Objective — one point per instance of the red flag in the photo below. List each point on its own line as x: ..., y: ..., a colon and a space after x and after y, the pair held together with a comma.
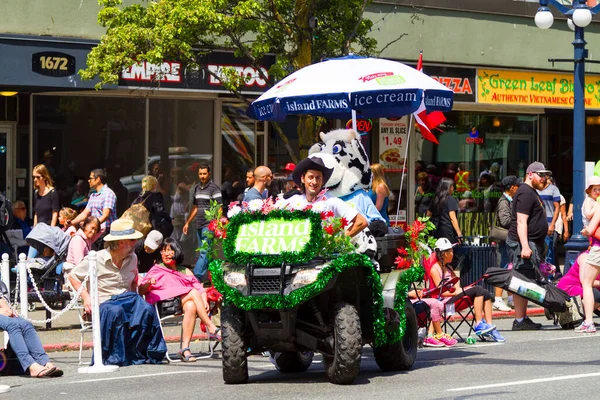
x: 427, y: 122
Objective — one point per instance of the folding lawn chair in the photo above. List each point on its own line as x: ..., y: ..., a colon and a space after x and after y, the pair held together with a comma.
x: 170, y: 311
x: 462, y: 309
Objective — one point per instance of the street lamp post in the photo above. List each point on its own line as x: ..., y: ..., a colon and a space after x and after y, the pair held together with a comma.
x: 579, y: 16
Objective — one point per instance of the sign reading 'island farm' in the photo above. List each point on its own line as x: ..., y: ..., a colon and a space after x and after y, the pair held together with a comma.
x: 534, y: 89
x: 273, y: 236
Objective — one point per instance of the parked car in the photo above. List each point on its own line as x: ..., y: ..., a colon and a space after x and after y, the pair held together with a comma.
x: 178, y: 158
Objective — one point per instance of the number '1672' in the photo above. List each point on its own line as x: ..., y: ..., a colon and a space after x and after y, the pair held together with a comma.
x: 54, y: 63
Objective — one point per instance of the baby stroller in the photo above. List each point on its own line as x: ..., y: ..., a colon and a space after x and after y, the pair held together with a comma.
x: 51, y: 245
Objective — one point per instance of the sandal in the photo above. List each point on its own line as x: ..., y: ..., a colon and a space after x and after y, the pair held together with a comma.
x: 45, y: 373
x: 216, y: 335
x: 185, y: 358
x: 56, y: 373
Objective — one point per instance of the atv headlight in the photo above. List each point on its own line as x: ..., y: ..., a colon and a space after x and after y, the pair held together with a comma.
x: 305, y: 277
x: 235, y: 279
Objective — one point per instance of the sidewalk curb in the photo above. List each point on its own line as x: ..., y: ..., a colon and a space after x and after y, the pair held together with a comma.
x: 175, y: 339
x: 89, y: 345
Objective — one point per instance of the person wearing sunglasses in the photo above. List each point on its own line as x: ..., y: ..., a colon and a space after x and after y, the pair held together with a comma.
x: 45, y: 199
x: 526, y: 236
x: 102, y: 204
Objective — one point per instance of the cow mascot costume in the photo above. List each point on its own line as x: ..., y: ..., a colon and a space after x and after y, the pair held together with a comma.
x: 342, y: 151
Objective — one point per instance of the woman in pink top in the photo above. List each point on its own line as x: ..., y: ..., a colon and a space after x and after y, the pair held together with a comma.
x: 571, y: 281
x: 81, y: 243
x: 163, y: 282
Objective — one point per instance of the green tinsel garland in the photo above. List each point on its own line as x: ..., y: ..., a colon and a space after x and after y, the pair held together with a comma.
x: 290, y: 257
x: 413, y: 274
x: 336, y: 266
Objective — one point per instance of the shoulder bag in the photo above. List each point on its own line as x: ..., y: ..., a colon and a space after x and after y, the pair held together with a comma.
x: 498, y: 233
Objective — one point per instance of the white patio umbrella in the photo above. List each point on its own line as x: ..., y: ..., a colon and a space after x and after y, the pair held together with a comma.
x: 340, y: 87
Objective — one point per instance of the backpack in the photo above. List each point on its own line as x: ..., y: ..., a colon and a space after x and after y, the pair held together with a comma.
x: 573, y: 316
x: 6, y: 213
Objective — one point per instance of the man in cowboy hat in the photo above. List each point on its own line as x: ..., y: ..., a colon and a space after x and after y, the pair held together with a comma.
x: 311, y: 174
x: 130, y: 329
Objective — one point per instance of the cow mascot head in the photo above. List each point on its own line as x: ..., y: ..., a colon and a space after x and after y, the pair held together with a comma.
x: 342, y: 151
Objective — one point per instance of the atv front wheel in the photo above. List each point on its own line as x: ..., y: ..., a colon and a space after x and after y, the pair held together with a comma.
x: 292, y: 361
x: 400, y: 356
x: 344, y: 366
x: 235, y: 362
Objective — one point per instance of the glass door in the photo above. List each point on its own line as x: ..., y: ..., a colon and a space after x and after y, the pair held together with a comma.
x: 7, y: 160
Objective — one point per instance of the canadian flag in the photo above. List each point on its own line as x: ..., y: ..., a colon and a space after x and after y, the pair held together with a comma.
x: 427, y: 122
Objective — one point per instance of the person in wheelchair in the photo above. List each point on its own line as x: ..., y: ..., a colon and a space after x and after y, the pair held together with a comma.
x: 480, y: 297
x: 164, y: 281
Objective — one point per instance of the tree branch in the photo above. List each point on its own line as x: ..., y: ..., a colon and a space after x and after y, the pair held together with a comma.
x: 391, y: 43
x: 350, y: 37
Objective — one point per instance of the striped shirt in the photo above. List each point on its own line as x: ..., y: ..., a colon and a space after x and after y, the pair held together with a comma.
x: 549, y: 196
x: 202, y: 197
x: 105, y: 198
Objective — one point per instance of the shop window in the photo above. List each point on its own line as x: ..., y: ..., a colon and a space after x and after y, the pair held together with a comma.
x: 278, y: 153
x: 8, y: 106
x: 239, y: 143
x: 477, y: 151
x: 73, y: 135
x: 181, y: 139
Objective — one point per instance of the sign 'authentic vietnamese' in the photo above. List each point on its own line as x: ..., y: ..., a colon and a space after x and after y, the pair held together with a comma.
x: 273, y: 236
x: 537, y: 89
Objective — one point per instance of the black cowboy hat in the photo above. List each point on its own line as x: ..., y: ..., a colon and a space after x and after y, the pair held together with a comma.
x: 311, y: 163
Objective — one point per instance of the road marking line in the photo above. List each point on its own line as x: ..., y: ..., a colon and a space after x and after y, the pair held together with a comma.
x: 139, y: 376
x: 527, y: 382
x: 580, y: 336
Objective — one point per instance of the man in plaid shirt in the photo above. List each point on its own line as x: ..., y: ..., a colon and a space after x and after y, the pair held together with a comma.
x: 102, y: 204
x: 203, y: 193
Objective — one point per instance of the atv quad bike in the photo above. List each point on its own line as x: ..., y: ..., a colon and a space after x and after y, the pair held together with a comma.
x: 280, y: 297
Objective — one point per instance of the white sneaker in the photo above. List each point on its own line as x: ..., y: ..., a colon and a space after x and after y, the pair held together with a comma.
x: 499, y: 305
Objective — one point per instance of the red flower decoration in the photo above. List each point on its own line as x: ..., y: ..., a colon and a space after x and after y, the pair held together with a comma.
x: 413, y: 246
x: 402, y: 251
x: 402, y: 262
x: 329, y: 229
x: 212, y: 226
x: 327, y: 214
x: 418, y: 226
x: 344, y: 222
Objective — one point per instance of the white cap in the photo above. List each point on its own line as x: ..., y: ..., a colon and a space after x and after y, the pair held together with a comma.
x: 443, y: 244
x: 153, y: 240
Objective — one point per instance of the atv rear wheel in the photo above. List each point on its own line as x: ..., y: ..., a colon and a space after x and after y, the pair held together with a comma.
x: 235, y: 362
x: 344, y: 366
x: 292, y: 361
x: 400, y: 356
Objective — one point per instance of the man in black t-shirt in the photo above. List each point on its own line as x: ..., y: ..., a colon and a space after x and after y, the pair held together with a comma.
x: 525, y: 241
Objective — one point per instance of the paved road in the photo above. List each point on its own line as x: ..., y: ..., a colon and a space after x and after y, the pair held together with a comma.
x: 534, y: 365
